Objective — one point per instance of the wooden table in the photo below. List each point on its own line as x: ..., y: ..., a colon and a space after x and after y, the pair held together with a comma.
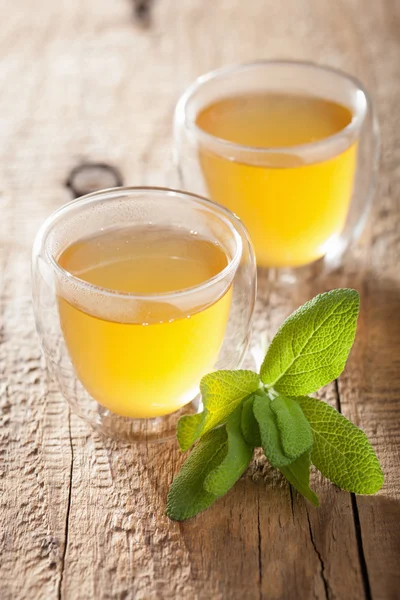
x: 81, y: 517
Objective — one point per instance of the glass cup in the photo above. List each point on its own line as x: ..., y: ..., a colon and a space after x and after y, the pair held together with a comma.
x: 129, y: 360
x: 302, y: 202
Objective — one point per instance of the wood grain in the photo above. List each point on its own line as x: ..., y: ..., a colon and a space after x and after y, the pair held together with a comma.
x: 82, y: 517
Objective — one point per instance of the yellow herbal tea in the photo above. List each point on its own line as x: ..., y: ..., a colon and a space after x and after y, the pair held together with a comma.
x: 292, y: 210
x: 150, y: 363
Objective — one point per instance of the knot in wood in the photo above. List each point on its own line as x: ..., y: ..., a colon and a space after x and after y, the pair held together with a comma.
x: 92, y: 177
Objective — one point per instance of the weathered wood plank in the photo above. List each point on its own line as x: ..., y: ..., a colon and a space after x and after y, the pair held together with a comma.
x: 370, y: 390
x: 82, y: 517
x: 34, y: 449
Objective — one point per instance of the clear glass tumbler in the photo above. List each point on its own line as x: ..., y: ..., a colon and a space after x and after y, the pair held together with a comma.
x: 125, y: 339
x: 302, y: 202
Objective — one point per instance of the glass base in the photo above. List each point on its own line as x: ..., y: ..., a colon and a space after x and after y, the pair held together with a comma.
x: 154, y: 430
x: 293, y: 275
x: 109, y: 424
x: 290, y: 278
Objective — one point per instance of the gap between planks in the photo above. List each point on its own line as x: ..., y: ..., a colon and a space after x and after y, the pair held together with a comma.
x: 357, y: 524
x: 66, y: 529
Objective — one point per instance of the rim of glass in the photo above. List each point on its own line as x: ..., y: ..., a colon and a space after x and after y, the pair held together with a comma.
x: 227, y: 217
x: 190, y: 123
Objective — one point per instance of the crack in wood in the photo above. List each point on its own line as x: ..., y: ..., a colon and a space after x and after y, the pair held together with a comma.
x: 321, y: 562
x: 291, y: 500
x: 338, y: 403
x: 360, y: 547
x: 66, y: 529
x: 357, y: 524
x: 259, y: 546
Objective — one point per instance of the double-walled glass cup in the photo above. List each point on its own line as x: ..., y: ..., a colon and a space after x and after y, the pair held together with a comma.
x: 129, y: 360
x: 301, y: 202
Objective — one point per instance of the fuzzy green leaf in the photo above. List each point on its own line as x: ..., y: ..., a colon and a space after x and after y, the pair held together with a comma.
x: 269, y: 431
x: 250, y: 427
x: 295, y: 430
x: 298, y: 475
x: 219, y: 481
x: 341, y: 451
x: 187, y: 495
x: 222, y: 392
x: 311, y: 347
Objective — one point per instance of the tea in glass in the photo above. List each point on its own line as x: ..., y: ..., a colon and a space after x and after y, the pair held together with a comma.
x: 291, y: 148
x: 292, y: 209
x: 150, y: 362
x: 138, y: 293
